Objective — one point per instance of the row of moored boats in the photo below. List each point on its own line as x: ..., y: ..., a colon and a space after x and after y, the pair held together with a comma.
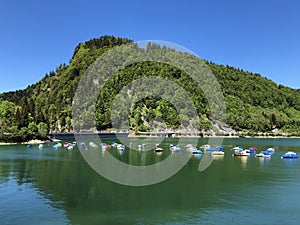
x: 239, y: 151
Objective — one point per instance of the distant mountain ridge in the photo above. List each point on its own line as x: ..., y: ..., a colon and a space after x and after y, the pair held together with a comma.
x: 254, y: 104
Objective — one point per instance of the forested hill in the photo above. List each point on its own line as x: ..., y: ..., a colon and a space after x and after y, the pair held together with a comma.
x: 254, y: 103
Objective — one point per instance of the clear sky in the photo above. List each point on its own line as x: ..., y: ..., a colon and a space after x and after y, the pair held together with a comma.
x: 260, y: 36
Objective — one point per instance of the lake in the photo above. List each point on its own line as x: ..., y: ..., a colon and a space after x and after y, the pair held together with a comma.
x: 46, y: 186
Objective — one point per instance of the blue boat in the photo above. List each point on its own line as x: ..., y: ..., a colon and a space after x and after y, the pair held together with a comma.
x: 83, y: 146
x: 197, y: 152
x: 220, y: 148
x: 211, y: 149
x: 289, y: 155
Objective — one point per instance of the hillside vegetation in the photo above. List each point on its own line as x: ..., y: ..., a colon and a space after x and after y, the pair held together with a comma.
x: 254, y: 103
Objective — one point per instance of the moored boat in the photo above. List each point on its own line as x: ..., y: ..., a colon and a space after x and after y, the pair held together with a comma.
x: 289, y: 155
x: 191, y: 148
x: 83, y: 146
x: 242, y: 153
x: 57, y: 145
x: 158, y: 149
x: 205, y: 147
x: 121, y: 147
x: 93, y: 145
x: 104, y: 146
x: 220, y: 148
x: 176, y: 149
x: 217, y: 153
x: 263, y: 154
x: 237, y: 148
x: 197, y: 152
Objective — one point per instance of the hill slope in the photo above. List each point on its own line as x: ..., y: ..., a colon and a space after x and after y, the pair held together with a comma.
x: 253, y: 103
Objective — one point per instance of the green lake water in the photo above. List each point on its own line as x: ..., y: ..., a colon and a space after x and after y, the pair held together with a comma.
x: 46, y: 186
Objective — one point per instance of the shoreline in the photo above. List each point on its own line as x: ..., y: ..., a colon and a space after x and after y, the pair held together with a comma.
x: 34, y: 142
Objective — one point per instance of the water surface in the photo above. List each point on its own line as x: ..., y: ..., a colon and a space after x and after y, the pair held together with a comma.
x: 58, y: 187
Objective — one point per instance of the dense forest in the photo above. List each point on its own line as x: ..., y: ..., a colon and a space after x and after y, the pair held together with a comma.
x: 254, y: 104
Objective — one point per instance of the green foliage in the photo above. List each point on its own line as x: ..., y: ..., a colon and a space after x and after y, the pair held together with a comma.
x: 42, y: 129
x: 254, y: 104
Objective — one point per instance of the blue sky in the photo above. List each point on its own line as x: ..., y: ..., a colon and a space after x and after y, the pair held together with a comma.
x: 258, y: 36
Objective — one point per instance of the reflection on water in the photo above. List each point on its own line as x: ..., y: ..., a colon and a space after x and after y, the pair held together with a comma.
x: 25, y: 204
x: 244, y: 161
x: 263, y: 161
x: 58, y: 187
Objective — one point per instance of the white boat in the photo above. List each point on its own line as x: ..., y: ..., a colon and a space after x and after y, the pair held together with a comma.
x: 176, y: 149
x: 158, y: 149
x: 237, y: 148
x: 217, y: 153
x: 41, y: 146
x: 242, y: 153
x: 263, y: 155
x: 114, y: 144
x: 68, y: 145
x: 83, y: 146
x: 121, y: 147
x: 93, y: 145
x: 205, y: 146
x: 190, y: 148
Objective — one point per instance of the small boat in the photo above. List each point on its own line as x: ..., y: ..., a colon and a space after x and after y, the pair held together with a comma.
x: 267, y: 153
x: 252, y: 150
x: 197, y: 152
x: 104, y: 146
x: 237, y: 148
x: 83, y: 146
x: 41, y: 146
x: 190, y: 148
x: 289, y: 155
x: 217, y: 153
x: 263, y: 154
x: 220, y: 148
x: 176, y: 149
x: 29, y: 146
x: 66, y: 144
x: 242, y: 153
x: 211, y: 149
x: 158, y: 149
x: 93, y: 145
x: 205, y: 147
x: 121, y: 147
x: 57, y: 145
x: 114, y: 144
x: 271, y: 150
